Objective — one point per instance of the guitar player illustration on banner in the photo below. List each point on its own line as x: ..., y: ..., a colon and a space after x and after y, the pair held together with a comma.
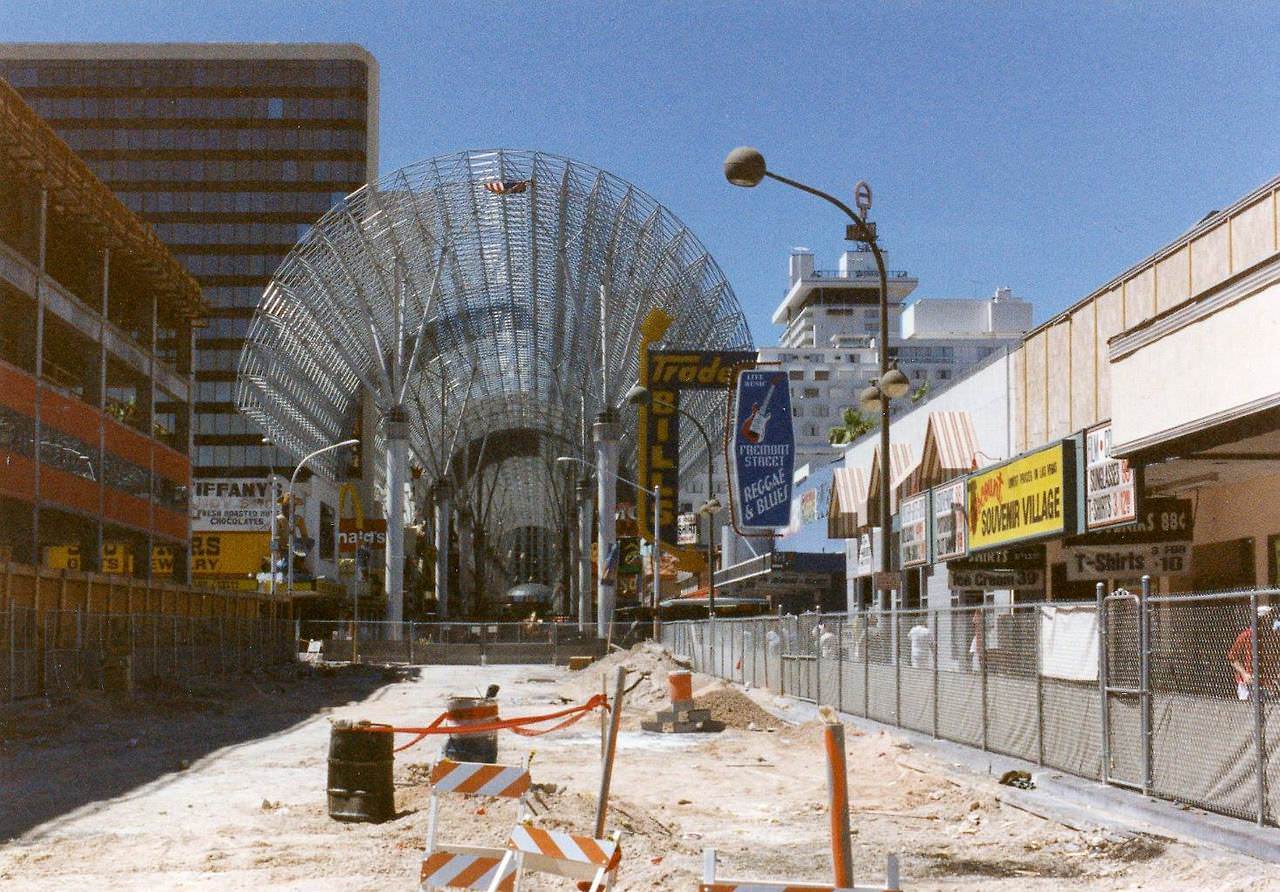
x: 763, y: 449
x: 753, y: 429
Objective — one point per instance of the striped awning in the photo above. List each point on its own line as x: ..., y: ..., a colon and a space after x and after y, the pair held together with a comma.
x: 901, y: 465
x: 950, y: 446
x: 848, y: 498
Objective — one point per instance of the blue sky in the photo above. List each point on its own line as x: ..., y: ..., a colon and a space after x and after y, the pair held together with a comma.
x: 1038, y: 147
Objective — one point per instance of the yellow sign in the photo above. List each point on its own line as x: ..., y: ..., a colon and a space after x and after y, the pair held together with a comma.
x: 228, y: 554
x: 116, y: 558
x: 162, y: 557
x: 1027, y: 498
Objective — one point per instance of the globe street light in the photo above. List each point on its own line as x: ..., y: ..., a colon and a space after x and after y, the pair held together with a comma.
x: 745, y: 167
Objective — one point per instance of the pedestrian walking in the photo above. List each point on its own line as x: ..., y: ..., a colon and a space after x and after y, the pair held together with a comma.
x: 1240, y: 656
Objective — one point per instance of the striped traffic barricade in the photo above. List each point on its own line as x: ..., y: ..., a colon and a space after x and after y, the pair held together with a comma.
x: 460, y: 866
x: 582, y: 858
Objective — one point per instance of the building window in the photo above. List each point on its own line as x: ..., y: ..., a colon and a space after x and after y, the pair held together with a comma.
x: 275, y: 108
x: 822, y: 375
x: 811, y: 393
x: 795, y: 375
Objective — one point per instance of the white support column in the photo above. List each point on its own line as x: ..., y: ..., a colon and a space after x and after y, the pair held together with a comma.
x: 396, y: 430
x: 605, y: 432
x: 586, y: 510
x: 443, y: 495
x: 466, y: 549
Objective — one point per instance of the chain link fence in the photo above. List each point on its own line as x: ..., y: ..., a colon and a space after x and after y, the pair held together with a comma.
x: 58, y: 652
x: 462, y: 643
x: 1135, y: 690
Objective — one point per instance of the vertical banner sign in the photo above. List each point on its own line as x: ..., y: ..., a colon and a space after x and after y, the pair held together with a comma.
x: 764, y: 449
x: 1111, y: 484
x: 666, y: 374
x: 949, y: 540
x: 914, y: 540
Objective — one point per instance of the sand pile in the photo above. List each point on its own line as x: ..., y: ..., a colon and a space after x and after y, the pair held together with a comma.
x: 735, y: 709
x: 647, y: 664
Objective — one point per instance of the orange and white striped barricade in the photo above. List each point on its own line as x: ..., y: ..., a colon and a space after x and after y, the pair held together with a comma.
x: 454, y: 866
x: 711, y: 884
x: 583, y: 858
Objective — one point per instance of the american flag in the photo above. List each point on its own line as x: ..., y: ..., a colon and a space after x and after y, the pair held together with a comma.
x: 507, y: 187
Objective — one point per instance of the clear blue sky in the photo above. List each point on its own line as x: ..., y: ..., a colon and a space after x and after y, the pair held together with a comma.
x: 1040, y: 148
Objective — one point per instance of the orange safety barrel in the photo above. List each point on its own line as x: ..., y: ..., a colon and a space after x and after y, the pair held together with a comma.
x: 680, y: 684
x: 471, y: 746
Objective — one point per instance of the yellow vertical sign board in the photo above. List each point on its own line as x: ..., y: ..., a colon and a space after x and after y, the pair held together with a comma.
x: 1028, y: 498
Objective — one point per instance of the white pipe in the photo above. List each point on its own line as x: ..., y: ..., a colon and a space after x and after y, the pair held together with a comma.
x: 444, y: 505
x: 397, y: 434
x: 585, y: 510
x: 606, y: 440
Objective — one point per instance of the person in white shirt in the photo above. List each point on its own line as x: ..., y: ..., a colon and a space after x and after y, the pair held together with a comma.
x: 921, y: 637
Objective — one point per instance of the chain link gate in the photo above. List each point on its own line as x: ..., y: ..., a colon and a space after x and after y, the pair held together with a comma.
x: 1124, y: 682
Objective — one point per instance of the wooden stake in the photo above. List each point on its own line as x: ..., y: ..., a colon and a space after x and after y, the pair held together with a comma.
x: 838, y: 799
x: 606, y: 773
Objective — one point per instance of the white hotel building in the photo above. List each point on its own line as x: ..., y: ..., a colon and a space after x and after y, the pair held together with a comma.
x: 830, y: 346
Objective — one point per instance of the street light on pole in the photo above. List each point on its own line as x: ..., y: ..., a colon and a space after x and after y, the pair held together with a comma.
x: 657, y: 545
x: 640, y: 395
x: 293, y: 479
x: 745, y: 167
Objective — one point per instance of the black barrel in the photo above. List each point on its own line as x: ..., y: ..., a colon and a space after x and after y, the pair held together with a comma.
x: 469, y: 746
x: 360, y: 765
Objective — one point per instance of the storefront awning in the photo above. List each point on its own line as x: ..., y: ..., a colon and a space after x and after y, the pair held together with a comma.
x: 901, y: 464
x: 848, y: 497
x: 950, y: 447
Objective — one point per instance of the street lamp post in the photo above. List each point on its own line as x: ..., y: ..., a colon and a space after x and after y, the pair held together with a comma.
x: 745, y: 166
x: 641, y: 395
x: 293, y: 479
x: 657, y: 545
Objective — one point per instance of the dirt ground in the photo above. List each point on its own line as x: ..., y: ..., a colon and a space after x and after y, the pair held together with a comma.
x: 223, y: 788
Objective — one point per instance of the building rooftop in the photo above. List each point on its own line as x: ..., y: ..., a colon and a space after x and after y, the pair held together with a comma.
x: 856, y: 272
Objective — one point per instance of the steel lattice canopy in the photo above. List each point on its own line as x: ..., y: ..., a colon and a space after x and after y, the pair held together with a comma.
x: 468, y: 289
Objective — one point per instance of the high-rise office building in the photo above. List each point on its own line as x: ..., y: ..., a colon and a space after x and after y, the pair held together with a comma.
x: 830, y: 343
x: 231, y: 151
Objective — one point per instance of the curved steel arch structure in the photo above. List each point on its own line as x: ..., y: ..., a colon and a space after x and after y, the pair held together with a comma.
x: 474, y: 294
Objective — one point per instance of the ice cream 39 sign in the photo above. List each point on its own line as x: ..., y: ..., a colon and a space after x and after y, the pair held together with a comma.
x: 763, y: 449
x: 1027, y: 498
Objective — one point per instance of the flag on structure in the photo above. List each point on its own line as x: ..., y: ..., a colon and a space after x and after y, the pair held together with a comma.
x: 507, y: 187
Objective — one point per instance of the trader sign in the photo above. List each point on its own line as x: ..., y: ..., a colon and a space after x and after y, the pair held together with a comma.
x: 1027, y: 498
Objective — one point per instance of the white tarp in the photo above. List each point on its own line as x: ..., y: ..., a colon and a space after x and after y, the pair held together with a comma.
x: 1069, y: 642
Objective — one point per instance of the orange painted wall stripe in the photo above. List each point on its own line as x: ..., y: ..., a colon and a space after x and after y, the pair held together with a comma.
x: 17, y: 389
x: 126, y: 442
x: 124, y: 508
x: 67, y: 489
x: 171, y: 464
x: 17, y: 476
x: 170, y: 523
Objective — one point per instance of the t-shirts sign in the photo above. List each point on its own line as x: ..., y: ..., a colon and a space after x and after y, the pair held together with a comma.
x: 1111, y: 486
x: 763, y: 449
